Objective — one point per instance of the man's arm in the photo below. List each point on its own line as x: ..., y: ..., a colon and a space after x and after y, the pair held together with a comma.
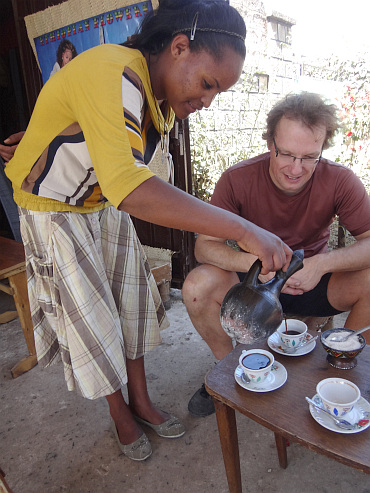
x: 352, y: 258
x: 214, y: 251
x: 160, y: 203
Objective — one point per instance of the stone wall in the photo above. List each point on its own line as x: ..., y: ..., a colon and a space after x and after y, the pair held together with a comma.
x: 230, y: 130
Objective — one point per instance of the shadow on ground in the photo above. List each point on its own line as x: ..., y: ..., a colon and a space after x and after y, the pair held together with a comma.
x: 52, y: 440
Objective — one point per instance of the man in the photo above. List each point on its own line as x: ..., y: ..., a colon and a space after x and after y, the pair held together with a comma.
x: 295, y: 193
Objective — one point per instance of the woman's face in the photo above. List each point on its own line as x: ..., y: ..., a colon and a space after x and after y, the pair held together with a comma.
x: 66, y: 57
x: 192, y: 80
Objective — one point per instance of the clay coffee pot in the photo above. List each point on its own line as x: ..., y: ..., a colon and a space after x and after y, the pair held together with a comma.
x: 251, y: 311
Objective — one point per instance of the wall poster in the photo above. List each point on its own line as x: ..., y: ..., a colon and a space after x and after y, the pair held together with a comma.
x: 58, y: 45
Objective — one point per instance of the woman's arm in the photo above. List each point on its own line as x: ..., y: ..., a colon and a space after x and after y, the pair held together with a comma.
x: 160, y: 203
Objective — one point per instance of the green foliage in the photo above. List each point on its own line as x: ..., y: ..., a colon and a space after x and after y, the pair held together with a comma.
x: 354, y: 104
x: 220, y: 138
x: 355, y: 119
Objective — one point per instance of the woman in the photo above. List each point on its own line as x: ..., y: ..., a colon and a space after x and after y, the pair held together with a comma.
x: 82, y: 160
x: 65, y: 53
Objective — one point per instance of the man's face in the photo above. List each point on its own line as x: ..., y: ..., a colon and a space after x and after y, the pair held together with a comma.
x: 293, y: 138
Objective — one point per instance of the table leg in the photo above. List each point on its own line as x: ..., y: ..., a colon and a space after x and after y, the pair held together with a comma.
x: 227, y: 431
x: 281, y: 450
x: 18, y: 282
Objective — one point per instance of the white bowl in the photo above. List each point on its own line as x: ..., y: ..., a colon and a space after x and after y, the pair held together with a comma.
x: 338, y: 395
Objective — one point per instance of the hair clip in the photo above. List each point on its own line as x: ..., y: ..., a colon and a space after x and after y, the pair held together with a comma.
x: 194, y: 26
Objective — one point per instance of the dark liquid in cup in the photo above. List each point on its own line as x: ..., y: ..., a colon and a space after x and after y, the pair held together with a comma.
x: 256, y: 361
x: 292, y: 332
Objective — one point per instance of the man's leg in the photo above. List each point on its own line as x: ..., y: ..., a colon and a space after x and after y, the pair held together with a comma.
x: 203, y: 292
x: 350, y: 291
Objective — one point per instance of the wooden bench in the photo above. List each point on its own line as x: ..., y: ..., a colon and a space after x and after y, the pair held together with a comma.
x: 318, y: 324
x: 162, y: 273
x: 13, y: 270
x: 4, y: 487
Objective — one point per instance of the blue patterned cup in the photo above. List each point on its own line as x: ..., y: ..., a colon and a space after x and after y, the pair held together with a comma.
x: 338, y: 395
x: 292, y: 333
x: 256, y: 364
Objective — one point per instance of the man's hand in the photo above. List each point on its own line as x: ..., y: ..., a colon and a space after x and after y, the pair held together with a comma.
x: 305, y: 279
x: 7, y: 151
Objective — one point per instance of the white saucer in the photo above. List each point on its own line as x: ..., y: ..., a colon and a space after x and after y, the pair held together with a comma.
x: 278, y: 376
x: 274, y: 343
x: 354, y: 417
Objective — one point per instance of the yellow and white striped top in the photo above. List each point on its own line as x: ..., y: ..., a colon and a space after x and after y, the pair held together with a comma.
x: 94, y: 130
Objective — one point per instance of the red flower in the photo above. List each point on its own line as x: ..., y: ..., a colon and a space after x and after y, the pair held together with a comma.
x: 348, y: 133
x: 363, y: 422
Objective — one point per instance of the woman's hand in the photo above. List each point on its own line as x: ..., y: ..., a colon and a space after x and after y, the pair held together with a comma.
x: 269, y: 248
x: 7, y: 151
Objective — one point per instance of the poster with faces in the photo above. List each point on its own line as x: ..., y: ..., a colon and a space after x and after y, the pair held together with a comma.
x: 56, y: 43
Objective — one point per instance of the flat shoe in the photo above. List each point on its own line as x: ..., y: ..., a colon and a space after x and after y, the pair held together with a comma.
x: 172, y: 428
x: 140, y: 449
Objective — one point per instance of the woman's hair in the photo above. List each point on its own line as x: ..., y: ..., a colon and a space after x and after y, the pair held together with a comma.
x: 308, y: 108
x: 63, y: 46
x: 210, y: 25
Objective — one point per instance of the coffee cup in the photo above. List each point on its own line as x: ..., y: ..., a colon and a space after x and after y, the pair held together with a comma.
x: 338, y: 395
x: 256, y: 364
x: 292, y: 333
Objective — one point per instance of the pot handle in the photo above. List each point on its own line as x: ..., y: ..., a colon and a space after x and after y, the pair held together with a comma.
x: 295, y: 264
x: 251, y: 279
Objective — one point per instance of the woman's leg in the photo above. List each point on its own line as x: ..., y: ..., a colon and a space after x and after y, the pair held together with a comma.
x: 139, y: 404
x: 132, y: 440
x: 139, y: 400
x: 128, y: 430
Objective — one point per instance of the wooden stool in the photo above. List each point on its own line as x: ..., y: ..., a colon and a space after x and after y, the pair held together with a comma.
x: 317, y: 324
x: 4, y: 487
x: 162, y: 273
x: 13, y: 268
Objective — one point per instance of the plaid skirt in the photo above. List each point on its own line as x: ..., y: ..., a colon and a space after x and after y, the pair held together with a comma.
x: 92, y: 296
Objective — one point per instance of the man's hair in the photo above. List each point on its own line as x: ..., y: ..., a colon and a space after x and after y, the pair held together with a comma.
x: 214, y: 23
x: 308, y: 108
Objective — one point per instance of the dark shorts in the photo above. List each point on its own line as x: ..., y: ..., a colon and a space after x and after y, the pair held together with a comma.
x: 314, y: 303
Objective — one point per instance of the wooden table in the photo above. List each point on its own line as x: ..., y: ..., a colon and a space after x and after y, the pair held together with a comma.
x: 285, y: 411
x: 13, y: 269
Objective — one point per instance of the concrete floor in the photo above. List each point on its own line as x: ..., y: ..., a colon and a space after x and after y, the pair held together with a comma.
x: 52, y: 440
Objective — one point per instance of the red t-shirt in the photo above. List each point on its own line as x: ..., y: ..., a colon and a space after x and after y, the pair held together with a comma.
x: 302, y: 220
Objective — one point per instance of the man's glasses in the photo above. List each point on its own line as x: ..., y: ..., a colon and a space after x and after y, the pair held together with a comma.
x: 289, y: 159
